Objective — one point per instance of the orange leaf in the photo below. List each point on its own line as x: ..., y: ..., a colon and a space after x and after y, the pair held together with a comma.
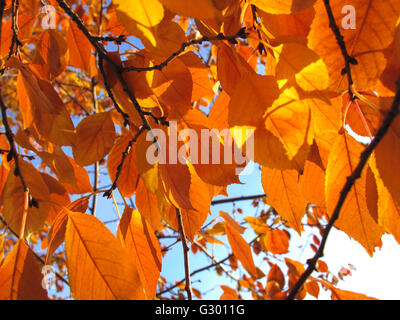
x: 200, y: 197
x: 354, y: 218
x: 13, y: 199
x: 283, y: 7
x: 240, y: 249
x: 80, y: 48
x: 143, y: 247
x: 253, y: 94
x: 96, y: 260
x: 338, y: 294
x: 20, y: 277
x: 284, y: 194
x: 95, y: 137
x: 201, y: 9
x: 147, y: 205
x: 277, y: 241
x: 388, y: 158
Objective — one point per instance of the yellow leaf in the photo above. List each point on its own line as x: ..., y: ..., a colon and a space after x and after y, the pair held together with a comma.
x: 58, y: 196
x: 232, y: 222
x: 81, y: 178
x: 257, y: 224
x: 96, y: 260
x: 95, y: 137
x: 56, y: 234
x: 211, y: 149
x: 139, y: 17
x: 143, y: 247
x: 296, y: 62
x: 20, y: 276
x: 289, y: 120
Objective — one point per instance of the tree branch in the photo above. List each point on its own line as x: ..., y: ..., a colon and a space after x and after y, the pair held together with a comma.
x: 222, y: 201
x: 365, y: 155
x: 121, y: 164
x: 96, y: 165
x: 185, y: 248
x: 215, y: 260
x: 340, y: 40
x: 10, y: 137
x: 232, y: 39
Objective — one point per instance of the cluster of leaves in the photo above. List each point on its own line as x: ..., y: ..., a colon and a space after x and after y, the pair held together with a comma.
x: 88, y: 93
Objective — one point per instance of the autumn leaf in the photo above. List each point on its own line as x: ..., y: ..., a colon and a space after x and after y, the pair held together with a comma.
x: 94, y: 139
x: 283, y: 7
x: 365, y: 42
x: 80, y: 48
x: 13, y: 199
x: 284, y: 194
x: 202, y: 9
x: 355, y: 218
x: 240, y: 248
x: 20, y: 276
x: 138, y: 237
x: 92, y: 249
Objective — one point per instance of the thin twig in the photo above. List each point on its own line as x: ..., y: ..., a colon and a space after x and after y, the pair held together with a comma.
x: 365, y: 155
x: 185, y: 247
x: 215, y: 260
x: 96, y: 165
x: 121, y: 164
x: 222, y: 201
x: 232, y: 39
x: 214, y: 264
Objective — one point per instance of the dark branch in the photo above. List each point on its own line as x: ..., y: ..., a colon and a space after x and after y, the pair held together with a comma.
x: 340, y: 40
x: 121, y: 164
x: 12, y: 154
x: 232, y: 39
x: 185, y: 247
x: 230, y: 200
